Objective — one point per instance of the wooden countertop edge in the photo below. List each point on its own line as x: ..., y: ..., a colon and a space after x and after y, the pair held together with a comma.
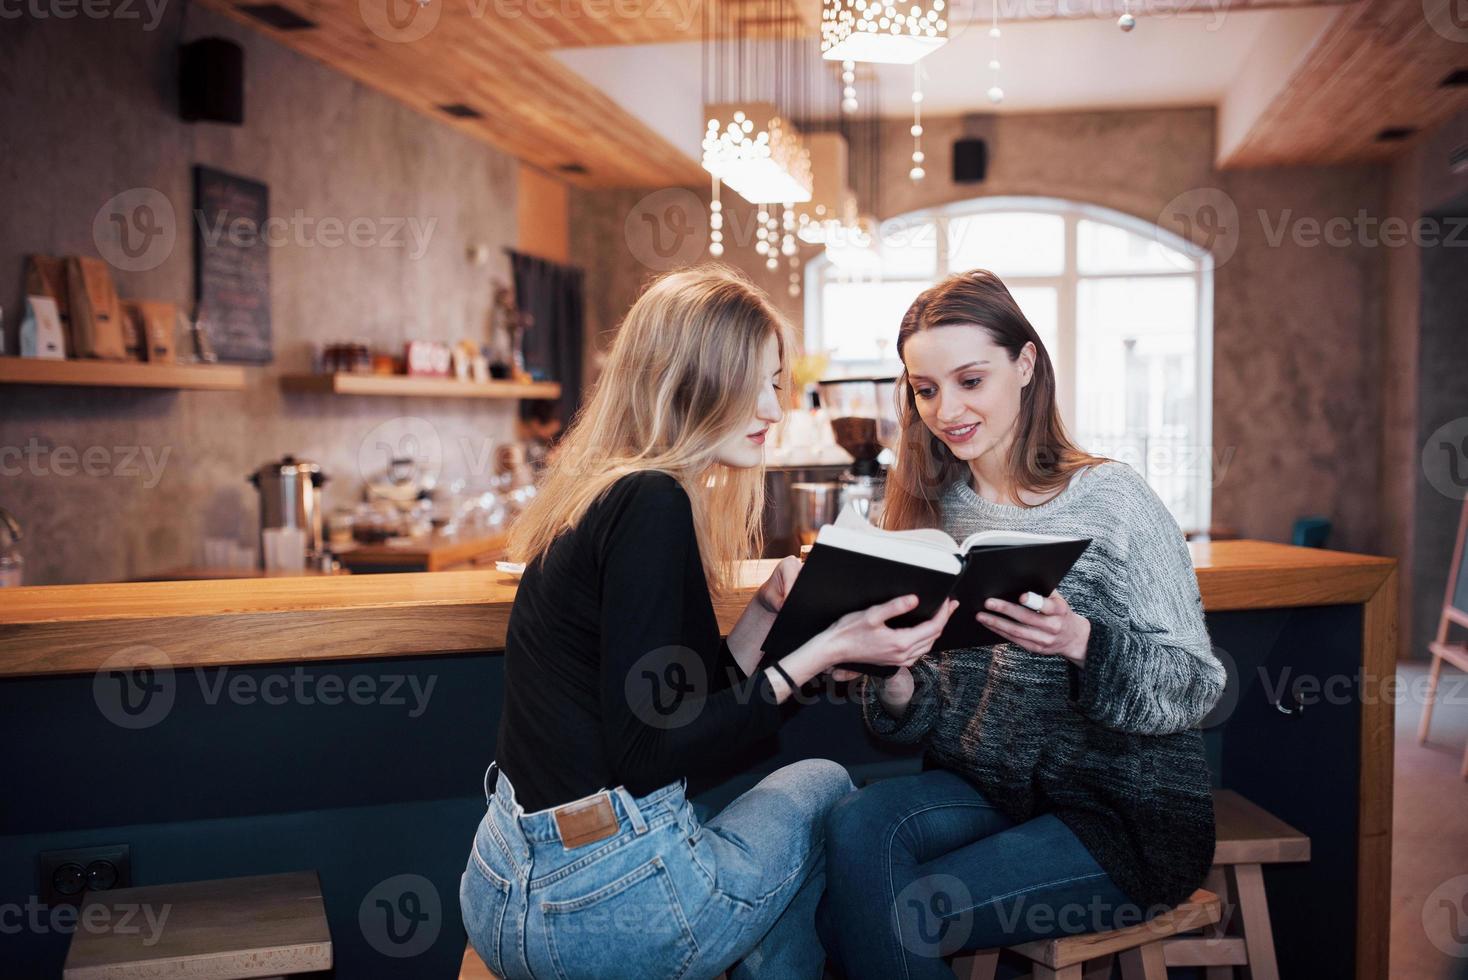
x: 83, y: 628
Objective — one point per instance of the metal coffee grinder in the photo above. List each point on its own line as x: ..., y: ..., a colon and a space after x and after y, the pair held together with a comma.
x: 863, y: 414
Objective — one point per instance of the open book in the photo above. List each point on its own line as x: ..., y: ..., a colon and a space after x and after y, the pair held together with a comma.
x: 854, y: 565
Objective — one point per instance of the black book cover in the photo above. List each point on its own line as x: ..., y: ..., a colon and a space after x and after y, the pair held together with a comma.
x: 836, y: 581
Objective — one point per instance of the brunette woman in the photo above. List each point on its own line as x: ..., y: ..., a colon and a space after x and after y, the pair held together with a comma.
x: 1068, y: 790
x: 617, y: 686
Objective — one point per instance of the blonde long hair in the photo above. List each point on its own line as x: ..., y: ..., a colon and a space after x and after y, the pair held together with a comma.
x: 683, y: 375
x: 1042, y: 457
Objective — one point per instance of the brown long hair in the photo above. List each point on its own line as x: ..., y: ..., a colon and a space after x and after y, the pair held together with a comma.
x: 683, y: 373
x: 1042, y: 456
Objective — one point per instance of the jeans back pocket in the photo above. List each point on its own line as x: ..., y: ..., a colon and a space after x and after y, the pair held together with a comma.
x: 483, y: 898
x: 632, y: 928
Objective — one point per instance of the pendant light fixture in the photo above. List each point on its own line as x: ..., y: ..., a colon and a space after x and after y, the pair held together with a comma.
x: 891, y: 32
x: 751, y: 82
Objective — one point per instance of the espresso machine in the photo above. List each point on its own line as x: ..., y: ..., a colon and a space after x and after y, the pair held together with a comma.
x: 863, y: 414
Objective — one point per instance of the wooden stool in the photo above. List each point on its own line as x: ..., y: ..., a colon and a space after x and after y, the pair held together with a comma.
x: 1088, y: 956
x: 260, y: 926
x: 1248, y: 837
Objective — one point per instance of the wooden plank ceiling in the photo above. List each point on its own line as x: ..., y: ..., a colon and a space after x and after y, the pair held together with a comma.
x: 494, y: 58
x: 1379, y: 66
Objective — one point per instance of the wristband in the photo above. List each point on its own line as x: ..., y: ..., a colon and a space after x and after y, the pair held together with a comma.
x: 784, y: 676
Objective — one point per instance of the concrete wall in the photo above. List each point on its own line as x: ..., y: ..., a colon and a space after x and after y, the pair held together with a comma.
x: 1296, y: 326
x: 1422, y: 380
x: 88, y: 109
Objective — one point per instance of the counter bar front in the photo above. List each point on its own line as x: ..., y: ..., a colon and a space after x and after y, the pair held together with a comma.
x: 342, y: 725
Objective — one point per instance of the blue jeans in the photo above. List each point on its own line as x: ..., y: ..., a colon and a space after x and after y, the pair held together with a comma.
x: 923, y: 866
x: 663, y: 897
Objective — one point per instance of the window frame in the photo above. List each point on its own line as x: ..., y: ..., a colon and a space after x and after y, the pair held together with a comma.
x: 1067, y: 284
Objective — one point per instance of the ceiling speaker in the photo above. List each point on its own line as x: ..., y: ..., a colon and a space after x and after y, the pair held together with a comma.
x: 970, y: 161
x: 211, y: 81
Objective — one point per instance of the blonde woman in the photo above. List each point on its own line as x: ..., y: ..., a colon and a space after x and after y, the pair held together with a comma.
x: 590, y: 862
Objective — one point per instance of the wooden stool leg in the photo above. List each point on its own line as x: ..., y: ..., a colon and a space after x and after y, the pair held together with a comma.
x: 1254, y: 918
x: 1144, y: 963
x: 1043, y: 972
x: 1437, y: 666
x: 1217, y: 883
x: 979, y: 965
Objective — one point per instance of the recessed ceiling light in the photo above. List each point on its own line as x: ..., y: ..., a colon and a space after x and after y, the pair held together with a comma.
x: 461, y: 111
x: 1394, y: 134
x: 278, y: 17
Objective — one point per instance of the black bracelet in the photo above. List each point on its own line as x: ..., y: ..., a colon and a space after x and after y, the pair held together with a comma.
x: 781, y: 671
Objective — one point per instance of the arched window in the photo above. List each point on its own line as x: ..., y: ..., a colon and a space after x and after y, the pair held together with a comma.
x: 1124, y: 308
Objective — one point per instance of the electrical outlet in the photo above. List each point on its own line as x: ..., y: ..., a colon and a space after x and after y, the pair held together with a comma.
x: 66, y: 874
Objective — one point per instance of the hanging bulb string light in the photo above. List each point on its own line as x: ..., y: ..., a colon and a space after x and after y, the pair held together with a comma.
x: 1126, y: 21
x: 716, y: 221
x: 917, y: 172
x: 996, y: 94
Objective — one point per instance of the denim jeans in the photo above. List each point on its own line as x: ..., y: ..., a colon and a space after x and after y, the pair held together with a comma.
x: 665, y: 896
x: 922, y: 866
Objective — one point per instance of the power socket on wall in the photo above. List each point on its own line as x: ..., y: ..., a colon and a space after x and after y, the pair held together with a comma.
x: 66, y: 874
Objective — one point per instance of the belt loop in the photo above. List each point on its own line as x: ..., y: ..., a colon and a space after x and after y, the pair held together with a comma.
x: 488, y: 793
x: 633, y: 814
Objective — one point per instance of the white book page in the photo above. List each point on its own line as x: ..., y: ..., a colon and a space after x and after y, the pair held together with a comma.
x: 992, y: 538
x: 931, y: 537
x: 890, y: 546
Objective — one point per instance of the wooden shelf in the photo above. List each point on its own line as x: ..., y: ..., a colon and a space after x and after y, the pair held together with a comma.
x: 121, y: 374
x: 403, y: 385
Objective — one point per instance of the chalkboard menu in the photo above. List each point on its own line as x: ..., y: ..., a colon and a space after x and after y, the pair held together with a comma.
x: 232, y: 264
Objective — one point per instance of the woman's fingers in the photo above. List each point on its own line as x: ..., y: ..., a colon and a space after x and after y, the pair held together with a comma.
x: 1019, y: 614
x: 930, y: 630
x: 1026, y: 636
x: 878, y: 615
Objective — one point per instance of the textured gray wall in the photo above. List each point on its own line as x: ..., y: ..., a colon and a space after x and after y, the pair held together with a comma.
x: 88, y: 111
x: 1296, y: 327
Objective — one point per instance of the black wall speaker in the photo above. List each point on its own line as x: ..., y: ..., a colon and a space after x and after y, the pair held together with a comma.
x: 211, y: 81
x: 970, y: 161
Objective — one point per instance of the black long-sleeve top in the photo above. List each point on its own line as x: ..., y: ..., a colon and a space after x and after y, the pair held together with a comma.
x: 615, y: 673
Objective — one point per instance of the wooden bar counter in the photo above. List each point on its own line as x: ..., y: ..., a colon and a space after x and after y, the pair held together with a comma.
x: 228, y: 781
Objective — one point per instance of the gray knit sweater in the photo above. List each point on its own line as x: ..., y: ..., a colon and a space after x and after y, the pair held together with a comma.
x: 1112, y: 748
